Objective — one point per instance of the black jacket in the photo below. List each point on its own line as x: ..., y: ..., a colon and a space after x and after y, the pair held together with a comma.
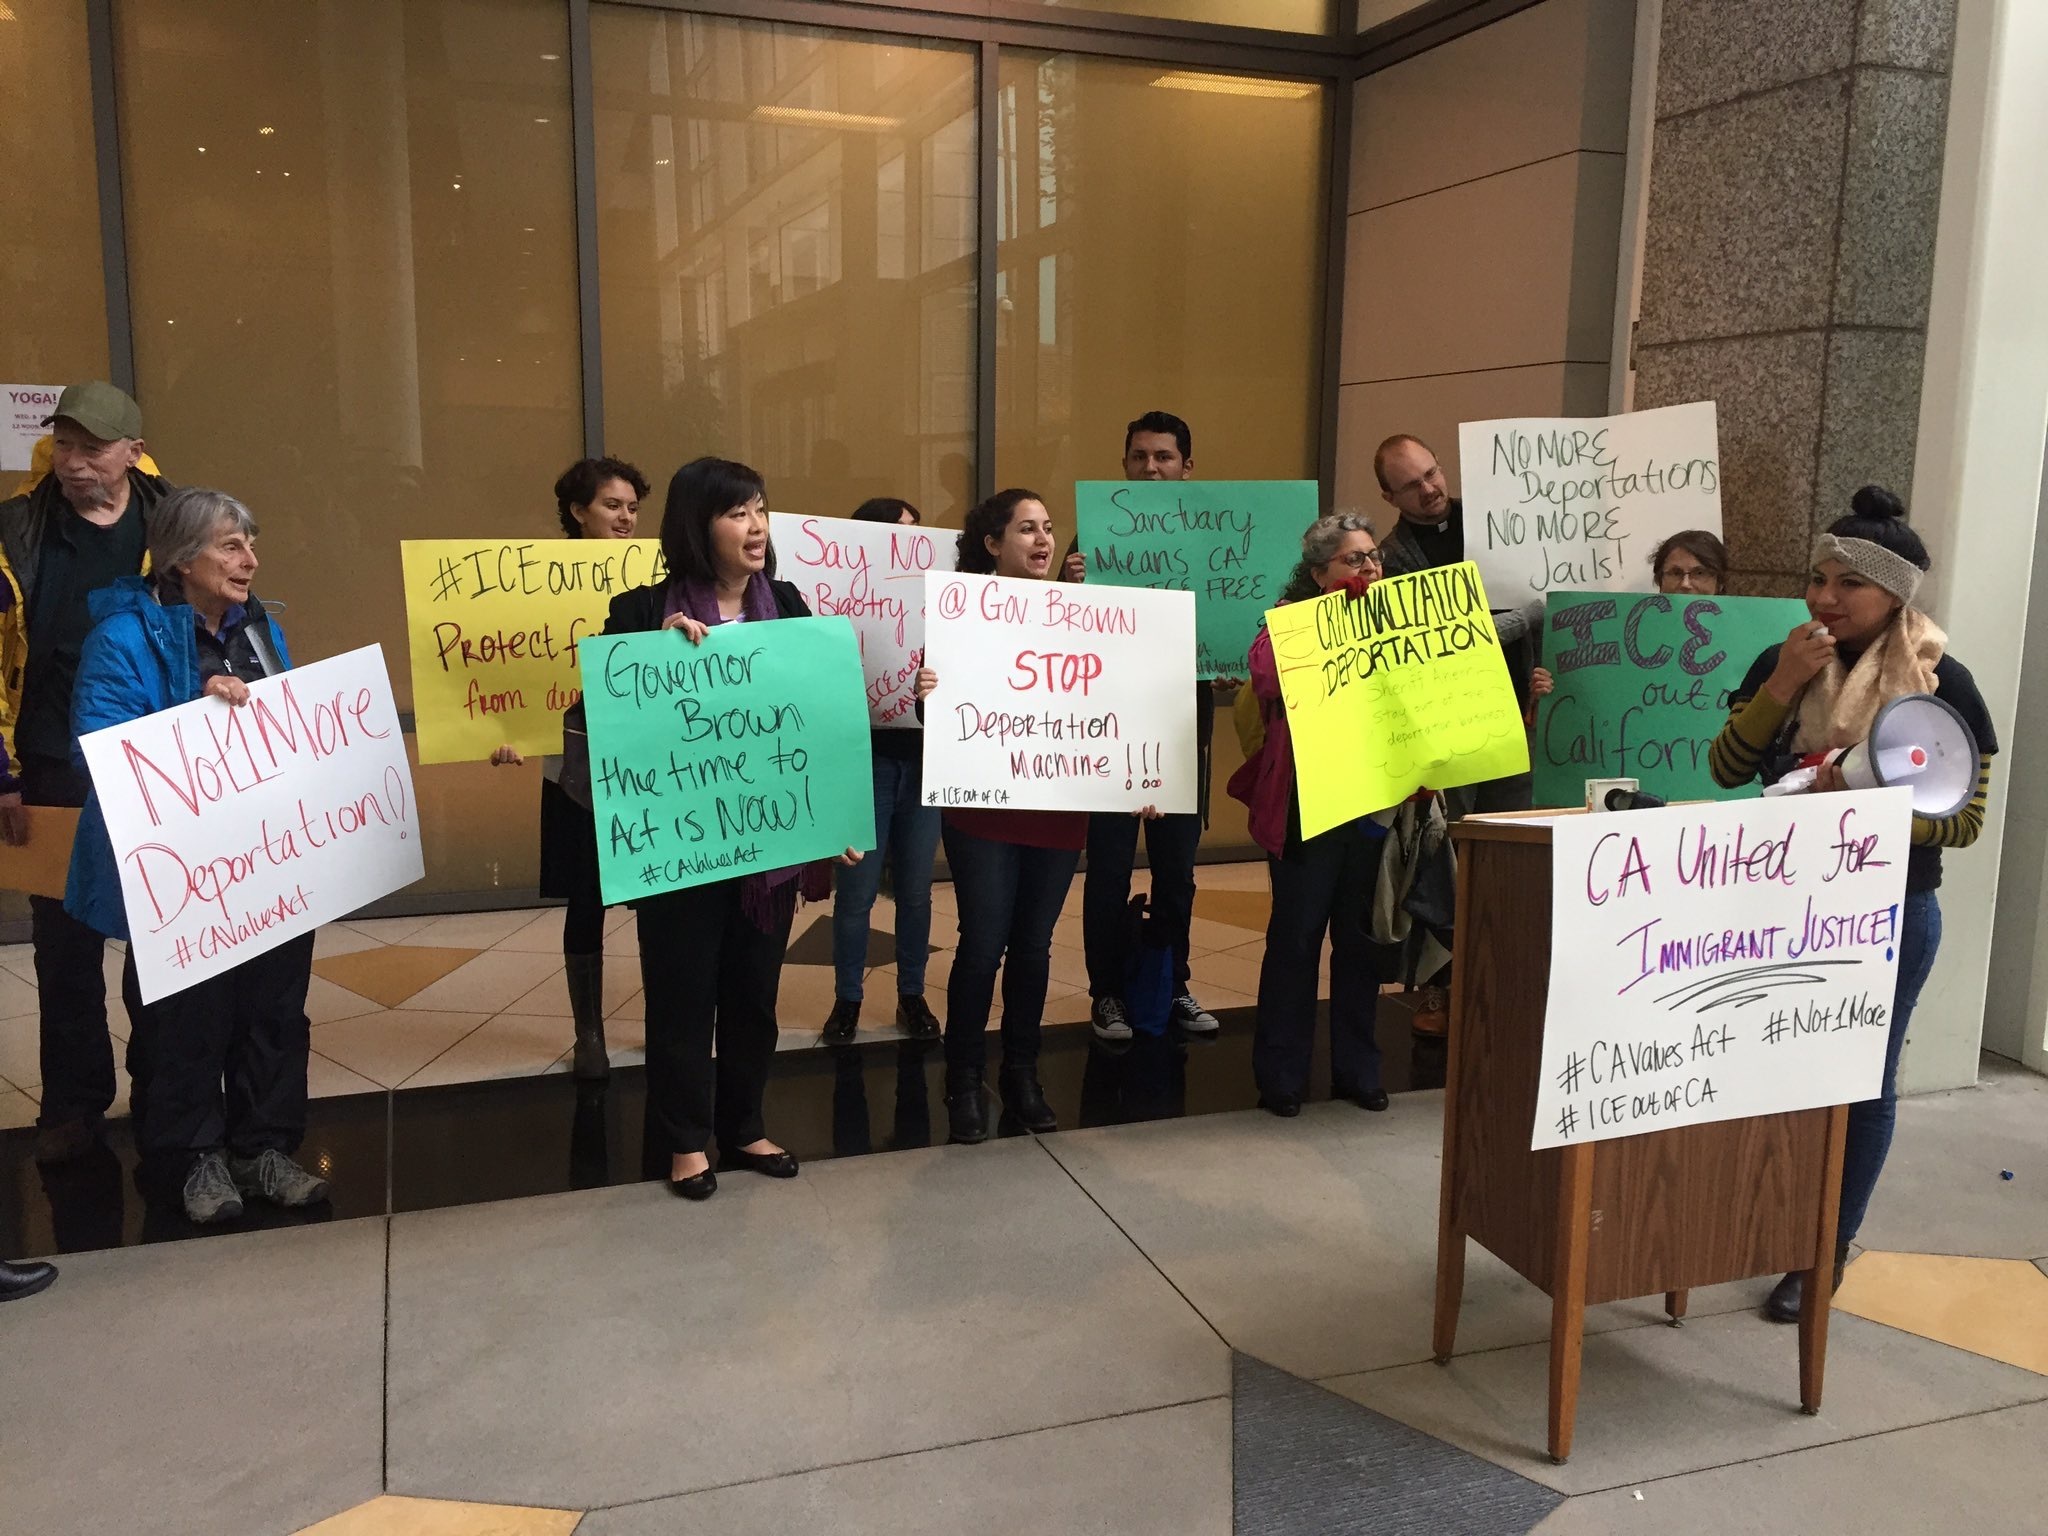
x: 640, y: 609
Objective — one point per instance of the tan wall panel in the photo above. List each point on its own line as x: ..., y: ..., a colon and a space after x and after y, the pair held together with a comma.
x: 1475, y: 276
x: 1432, y: 408
x: 1544, y: 82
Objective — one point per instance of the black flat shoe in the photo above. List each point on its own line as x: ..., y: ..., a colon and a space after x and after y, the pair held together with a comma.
x: 777, y: 1165
x: 1280, y: 1104
x: 1374, y: 1099
x: 842, y: 1022
x: 20, y: 1280
x: 698, y: 1186
x: 916, y: 1018
x: 1025, y: 1099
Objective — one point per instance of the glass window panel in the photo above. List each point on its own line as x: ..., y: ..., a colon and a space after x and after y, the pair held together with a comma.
x: 53, y: 299
x: 1275, y: 15
x: 357, y: 308
x: 1186, y: 277
x: 828, y: 336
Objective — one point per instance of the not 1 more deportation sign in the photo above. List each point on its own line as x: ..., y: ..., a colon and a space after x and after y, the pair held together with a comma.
x: 1402, y: 688
x: 1713, y: 962
x: 237, y: 828
x: 743, y: 754
x: 1057, y: 697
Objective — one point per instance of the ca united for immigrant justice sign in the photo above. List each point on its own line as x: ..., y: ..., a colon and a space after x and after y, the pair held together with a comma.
x: 237, y: 828
x: 1712, y: 962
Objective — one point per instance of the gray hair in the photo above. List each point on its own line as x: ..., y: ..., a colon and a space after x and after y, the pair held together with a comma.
x: 1319, y: 547
x: 183, y: 525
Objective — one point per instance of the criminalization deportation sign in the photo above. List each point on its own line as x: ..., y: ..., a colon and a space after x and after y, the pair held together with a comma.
x: 237, y: 828
x: 745, y: 753
x: 1642, y: 688
x: 1402, y: 688
x: 494, y: 626
x: 1712, y: 962
x: 1556, y: 503
x: 1230, y: 542
x: 1054, y: 697
x: 871, y: 574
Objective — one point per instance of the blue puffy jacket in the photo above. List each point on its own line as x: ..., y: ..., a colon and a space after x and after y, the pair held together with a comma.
x: 141, y: 657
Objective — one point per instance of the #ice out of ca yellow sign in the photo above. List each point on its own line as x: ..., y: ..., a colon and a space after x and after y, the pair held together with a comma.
x: 494, y: 626
x: 1401, y: 689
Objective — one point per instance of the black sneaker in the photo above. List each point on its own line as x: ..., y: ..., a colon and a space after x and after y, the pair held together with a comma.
x: 1192, y: 1017
x: 1110, y: 1021
x: 844, y: 1020
x: 916, y: 1017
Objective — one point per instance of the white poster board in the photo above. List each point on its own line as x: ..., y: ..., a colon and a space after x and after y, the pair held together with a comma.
x: 237, y: 829
x: 1562, y: 503
x: 1059, y: 697
x: 23, y: 408
x: 873, y: 574
x: 1712, y: 962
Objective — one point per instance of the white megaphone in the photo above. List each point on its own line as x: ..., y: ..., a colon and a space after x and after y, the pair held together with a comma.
x: 1916, y: 741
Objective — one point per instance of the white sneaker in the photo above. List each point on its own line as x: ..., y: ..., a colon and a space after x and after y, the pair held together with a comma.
x: 1192, y: 1017
x: 1108, y: 1017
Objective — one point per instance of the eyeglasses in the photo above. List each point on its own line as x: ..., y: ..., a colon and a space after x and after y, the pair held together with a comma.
x: 1359, y: 559
x: 1698, y: 576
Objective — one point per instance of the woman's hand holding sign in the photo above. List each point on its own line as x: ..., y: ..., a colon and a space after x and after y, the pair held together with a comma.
x: 232, y: 689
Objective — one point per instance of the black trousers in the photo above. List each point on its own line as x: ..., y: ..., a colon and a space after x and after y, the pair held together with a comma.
x: 1170, y: 846
x: 710, y: 975
x: 1324, y: 884
x: 71, y: 986
x: 221, y: 1066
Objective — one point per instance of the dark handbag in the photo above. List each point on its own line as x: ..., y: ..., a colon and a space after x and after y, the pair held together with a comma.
x: 575, y: 779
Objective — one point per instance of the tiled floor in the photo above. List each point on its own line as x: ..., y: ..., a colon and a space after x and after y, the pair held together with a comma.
x: 425, y: 1001
x: 1042, y: 1334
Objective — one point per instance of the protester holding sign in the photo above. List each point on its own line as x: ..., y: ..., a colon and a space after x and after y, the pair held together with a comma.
x: 1821, y: 689
x: 1322, y: 884
x: 1691, y: 561
x: 595, y: 499
x: 907, y: 832
x: 711, y: 954
x: 1011, y: 871
x: 195, y: 629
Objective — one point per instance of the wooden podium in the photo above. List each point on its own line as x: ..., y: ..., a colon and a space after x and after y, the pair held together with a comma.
x: 1603, y: 1220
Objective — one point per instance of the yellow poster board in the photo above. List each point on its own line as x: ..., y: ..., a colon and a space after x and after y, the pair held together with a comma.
x: 1401, y: 689
x: 494, y: 626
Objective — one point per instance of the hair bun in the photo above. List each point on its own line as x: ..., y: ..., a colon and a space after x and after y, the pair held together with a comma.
x: 1876, y: 503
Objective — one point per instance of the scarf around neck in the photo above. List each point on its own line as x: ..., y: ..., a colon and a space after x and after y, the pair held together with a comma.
x: 1837, y: 707
x: 768, y: 897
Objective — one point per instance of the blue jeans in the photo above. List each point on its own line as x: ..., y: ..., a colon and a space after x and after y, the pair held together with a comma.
x: 1870, y: 1123
x: 1010, y: 898
x: 908, y: 832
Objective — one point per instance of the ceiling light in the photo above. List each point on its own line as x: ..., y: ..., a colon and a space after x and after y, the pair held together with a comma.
x: 1235, y: 85
x: 824, y: 117
x: 202, y: 149
x: 266, y: 132
x: 540, y: 119
x: 551, y: 57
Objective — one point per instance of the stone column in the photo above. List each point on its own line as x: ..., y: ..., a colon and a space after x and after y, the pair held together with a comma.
x: 1794, y: 184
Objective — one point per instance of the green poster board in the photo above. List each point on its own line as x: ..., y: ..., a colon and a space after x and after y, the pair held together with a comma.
x: 743, y: 754
x: 1230, y: 542
x: 1642, y: 688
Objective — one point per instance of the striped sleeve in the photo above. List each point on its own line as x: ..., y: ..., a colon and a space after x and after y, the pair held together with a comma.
x: 1961, y: 829
x: 1738, y: 752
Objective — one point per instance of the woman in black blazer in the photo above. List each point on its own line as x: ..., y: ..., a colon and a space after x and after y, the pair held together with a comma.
x: 711, y: 955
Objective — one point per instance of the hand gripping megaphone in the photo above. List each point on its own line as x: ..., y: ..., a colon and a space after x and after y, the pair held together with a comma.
x: 1916, y: 741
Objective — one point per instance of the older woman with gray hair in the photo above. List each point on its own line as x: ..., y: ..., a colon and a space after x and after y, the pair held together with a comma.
x: 218, y: 1069
x: 1322, y: 884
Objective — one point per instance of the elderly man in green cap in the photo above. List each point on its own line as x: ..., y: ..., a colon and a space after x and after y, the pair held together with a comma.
x: 82, y: 527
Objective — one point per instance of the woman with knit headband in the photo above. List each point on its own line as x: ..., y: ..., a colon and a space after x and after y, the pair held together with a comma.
x: 1865, y: 646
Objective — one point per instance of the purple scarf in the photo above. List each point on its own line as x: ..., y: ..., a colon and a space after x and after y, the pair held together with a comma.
x: 768, y: 898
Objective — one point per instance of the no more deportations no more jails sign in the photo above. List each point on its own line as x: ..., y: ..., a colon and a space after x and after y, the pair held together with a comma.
x: 1056, y: 697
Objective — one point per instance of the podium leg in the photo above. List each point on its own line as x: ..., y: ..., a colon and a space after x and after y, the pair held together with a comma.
x: 1674, y: 1306
x: 1818, y: 1294
x: 1568, y: 1296
x: 1450, y: 1292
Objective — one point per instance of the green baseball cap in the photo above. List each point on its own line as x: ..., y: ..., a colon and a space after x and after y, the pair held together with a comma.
x: 101, y: 409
